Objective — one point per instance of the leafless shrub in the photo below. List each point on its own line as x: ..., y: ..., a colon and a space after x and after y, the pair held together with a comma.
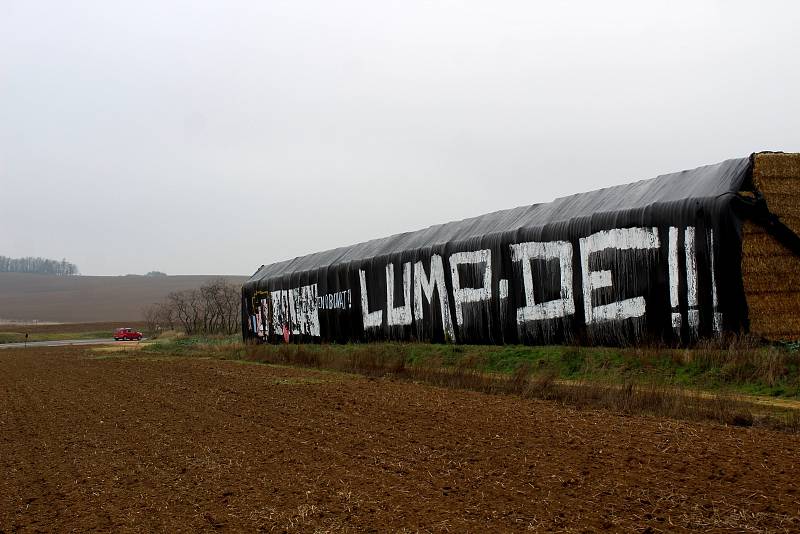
x: 158, y: 318
x: 213, y: 308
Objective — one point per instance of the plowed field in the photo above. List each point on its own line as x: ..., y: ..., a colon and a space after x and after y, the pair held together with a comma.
x: 136, y: 444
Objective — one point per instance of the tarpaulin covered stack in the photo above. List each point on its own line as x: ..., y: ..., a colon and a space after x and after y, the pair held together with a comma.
x: 671, y: 259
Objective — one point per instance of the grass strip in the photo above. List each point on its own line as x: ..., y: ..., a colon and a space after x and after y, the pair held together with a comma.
x: 19, y: 337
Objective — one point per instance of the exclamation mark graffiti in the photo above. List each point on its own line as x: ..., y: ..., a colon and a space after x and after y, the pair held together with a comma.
x: 674, y: 278
x: 711, y: 254
x: 693, y: 315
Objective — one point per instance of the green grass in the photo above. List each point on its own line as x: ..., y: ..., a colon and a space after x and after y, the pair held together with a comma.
x: 742, y: 368
x: 19, y: 337
x: 229, y: 347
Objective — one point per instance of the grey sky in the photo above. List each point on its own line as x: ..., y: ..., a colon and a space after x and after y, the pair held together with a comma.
x: 211, y: 137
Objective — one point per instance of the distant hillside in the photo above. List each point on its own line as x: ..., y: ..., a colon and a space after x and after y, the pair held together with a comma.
x: 84, y: 299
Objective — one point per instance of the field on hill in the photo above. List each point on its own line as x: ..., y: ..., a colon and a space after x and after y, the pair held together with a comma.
x: 105, y: 440
x: 15, y: 333
x: 85, y: 299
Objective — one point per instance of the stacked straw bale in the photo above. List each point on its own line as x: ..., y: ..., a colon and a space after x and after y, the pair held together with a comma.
x: 771, y: 272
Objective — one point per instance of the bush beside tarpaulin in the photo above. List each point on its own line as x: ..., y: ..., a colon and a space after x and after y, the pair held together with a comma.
x: 670, y: 259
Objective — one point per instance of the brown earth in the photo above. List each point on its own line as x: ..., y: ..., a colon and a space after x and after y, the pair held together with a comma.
x: 129, y: 443
x: 88, y: 299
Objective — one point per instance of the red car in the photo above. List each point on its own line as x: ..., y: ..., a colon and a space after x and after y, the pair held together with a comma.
x: 127, y: 334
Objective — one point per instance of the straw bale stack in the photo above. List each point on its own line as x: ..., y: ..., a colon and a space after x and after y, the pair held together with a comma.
x: 771, y: 272
x: 777, y: 176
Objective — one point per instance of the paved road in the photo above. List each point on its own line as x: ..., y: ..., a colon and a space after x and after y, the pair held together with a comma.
x: 62, y: 342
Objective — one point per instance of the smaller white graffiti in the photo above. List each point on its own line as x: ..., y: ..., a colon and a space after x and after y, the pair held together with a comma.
x: 295, y: 310
x: 341, y: 300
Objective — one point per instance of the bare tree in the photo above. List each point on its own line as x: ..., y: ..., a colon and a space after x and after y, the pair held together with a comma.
x: 159, y: 317
x: 179, y: 303
x: 213, y: 308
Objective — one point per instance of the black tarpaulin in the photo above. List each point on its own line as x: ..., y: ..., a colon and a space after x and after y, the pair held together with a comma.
x: 652, y: 259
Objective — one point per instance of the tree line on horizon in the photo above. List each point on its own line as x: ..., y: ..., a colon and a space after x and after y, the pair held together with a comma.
x: 37, y: 265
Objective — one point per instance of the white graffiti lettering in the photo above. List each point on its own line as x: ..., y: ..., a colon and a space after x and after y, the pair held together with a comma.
x: 620, y: 239
x: 424, y: 286
x: 714, y: 298
x: 674, y: 279
x: 693, y: 315
x: 560, y: 250
x: 464, y: 295
x: 341, y: 300
x: 400, y: 315
x: 371, y: 319
x: 296, y: 310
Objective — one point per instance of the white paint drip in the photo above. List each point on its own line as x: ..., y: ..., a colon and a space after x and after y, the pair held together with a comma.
x: 694, y: 320
x: 502, y: 289
x: 425, y: 286
x: 691, y: 266
x: 673, y: 267
x: 715, y: 302
x: 621, y: 239
x: 464, y: 295
x: 560, y: 250
x: 693, y: 314
x: 402, y: 314
x: 371, y: 319
x: 674, y: 279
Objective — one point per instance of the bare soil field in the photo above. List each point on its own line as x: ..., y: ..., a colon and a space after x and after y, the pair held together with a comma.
x: 87, y: 299
x: 90, y: 440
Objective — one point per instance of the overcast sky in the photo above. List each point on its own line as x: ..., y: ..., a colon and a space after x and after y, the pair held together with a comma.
x: 206, y: 137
